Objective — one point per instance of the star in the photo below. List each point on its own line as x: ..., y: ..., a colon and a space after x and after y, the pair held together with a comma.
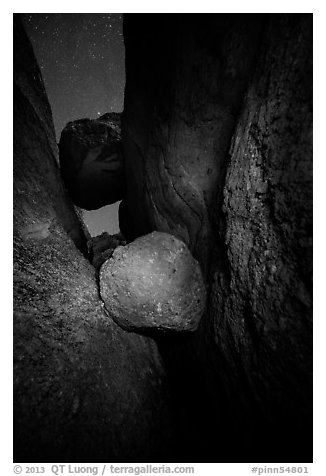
x: 82, y: 61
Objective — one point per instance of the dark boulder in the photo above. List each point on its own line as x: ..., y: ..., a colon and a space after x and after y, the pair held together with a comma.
x: 91, y: 161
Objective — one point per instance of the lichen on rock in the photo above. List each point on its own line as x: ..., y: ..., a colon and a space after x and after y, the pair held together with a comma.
x: 154, y: 283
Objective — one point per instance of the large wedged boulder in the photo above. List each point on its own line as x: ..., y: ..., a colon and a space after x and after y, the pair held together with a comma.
x: 154, y: 283
x: 91, y: 161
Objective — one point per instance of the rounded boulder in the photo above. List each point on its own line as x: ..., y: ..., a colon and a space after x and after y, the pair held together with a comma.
x: 153, y: 283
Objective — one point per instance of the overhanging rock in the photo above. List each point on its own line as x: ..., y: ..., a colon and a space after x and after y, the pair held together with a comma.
x: 91, y: 161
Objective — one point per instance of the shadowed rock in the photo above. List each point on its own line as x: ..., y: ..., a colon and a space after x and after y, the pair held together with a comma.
x: 217, y: 145
x: 154, y: 282
x: 91, y: 161
x: 101, y: 247
x: 124, y: 223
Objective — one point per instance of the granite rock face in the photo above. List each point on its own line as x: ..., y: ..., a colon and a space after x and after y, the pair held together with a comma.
x: 184, y: 89
x: 154, y: 283
x: 262, y: 299
x: 217, y: 143
x: 91, y: 161
x: 84, y: 390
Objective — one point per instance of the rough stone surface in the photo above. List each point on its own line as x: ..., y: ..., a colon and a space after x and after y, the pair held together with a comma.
x: 91, y: 161
x: 217, y: 143
x: 84, y: 389
x: 176, y: 133
x: 100, y: 248
x: 261, y: 300
x: 154, y: 283
x: 38, y: 156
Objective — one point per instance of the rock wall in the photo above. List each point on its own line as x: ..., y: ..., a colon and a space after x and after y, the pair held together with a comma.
x: 261, y: 306
x: 84, y: 389
x: 217, y: 143
x: 36, y: 155
x: 184, y: 88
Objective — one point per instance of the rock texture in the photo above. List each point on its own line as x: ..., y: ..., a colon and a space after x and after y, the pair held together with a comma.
x: 100, y: 248
x: 217, y: 143
x: 91, y: 161
x: 84, y: 390
x: 154, y: 283
x: 36, y: 156
x: 262, y: 300
x: 176, y: 133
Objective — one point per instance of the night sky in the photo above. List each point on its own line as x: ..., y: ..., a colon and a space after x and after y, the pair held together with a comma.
x: 81, y: 56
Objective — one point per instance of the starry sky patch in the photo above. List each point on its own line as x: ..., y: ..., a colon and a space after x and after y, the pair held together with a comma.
x: 81, y: 56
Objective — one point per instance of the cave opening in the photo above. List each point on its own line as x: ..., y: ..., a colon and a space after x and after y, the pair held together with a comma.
x: 82, y: 61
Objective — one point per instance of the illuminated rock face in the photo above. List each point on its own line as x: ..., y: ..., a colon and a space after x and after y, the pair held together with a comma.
x: 154, y: 282
x: 91, y: 161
